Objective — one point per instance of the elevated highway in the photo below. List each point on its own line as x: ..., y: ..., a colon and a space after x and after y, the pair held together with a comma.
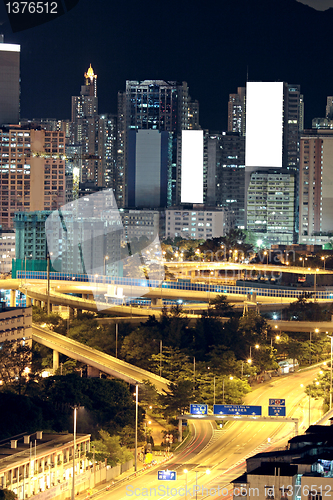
x: 99, y: 360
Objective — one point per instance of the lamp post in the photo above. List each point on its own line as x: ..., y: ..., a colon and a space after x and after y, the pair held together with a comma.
x: 257, y: 347
x: 315, y: 284
x: 185, y: 472
x: 230, y: 378
x: 196, y: 482
x: 116, y: 340
x: 331, y: 337
x: 106, y: 257
x: 74, y: 450
x: 309, y: 406
x: 324, y: 259
x: 136, y: 426
x: 161, y: 347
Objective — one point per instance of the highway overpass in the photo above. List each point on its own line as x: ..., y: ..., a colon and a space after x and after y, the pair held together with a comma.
x: 97, y: 359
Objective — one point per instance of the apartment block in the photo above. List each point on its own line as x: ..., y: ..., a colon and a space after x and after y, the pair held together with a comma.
x: 196, y: 223
x: 32, y: 172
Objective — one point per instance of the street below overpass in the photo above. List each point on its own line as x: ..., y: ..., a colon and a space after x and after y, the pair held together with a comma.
x: 223, y: 451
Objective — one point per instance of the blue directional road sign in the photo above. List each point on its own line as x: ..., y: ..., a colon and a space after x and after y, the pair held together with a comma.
x: 276, y: 411
x: 277, y: 402
x: 237, y: 410
x: 197, y: 409
x: 166, y: 475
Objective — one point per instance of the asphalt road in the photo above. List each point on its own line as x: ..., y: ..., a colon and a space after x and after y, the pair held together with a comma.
x: 223, y: 452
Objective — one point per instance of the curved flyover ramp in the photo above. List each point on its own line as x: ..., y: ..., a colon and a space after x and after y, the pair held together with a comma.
x: 92, y: 357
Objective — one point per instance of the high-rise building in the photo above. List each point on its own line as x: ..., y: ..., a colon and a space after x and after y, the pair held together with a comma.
x: 107, y: 151
x: 272, y: 140
x: 156, y: 105
x: 32, y: 171
x: 236, y: 111
x: 316, y: 180
x: 148, y: 163
x: 226, y: 174
x: 9, y: 83
x: 30, y: 235
x: 85, y: 127
x: 270, y: 208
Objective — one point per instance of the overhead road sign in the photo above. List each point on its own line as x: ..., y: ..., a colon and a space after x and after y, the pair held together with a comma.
x: 277, y: 402
x: 276, y: 411
x: 198, y: 409
x: 237, y: 410
x: 166, y: 475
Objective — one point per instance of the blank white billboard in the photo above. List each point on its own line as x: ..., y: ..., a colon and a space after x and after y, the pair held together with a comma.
x: 192, y: 166
x: 264, y: 124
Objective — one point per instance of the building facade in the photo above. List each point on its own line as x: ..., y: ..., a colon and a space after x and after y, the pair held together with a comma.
x: 237, y: 111
x: 84, y: 131
x: 7, y: 250
x: 32, y: 172
x: 9, y: 83
x: 316, y: 182
x: 226, y: 174
x: 270, y: 206
x: 32, y: 464
x: 196, y: 223
x: 15, y: 324
x: 158, y: 105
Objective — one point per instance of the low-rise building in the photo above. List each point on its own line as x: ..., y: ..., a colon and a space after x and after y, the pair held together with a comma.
x: 303, y: 471
x: 15, y: 324
x: 7, y: 250
x: 196, y: 223
x: 32, y: 464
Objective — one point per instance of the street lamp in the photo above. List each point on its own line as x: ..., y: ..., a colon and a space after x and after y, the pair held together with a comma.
x: 324, y: 259
x: 331, y: 337
x: 315, y: 284
x: 74, y: 452
x: 257, y: 347
x: 309, y: 406
x: 136, y: 427
x: 230, y: 378
x: 303, y: 259
x: 106, y: 257
x: 196, y: 482
x: 185, y: 472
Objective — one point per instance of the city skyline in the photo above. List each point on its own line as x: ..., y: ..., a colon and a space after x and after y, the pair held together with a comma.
x: 212, y: 49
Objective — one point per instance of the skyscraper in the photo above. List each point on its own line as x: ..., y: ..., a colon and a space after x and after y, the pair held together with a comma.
x: 316, y: 180
x: 85, y: 127
x: 9, y: 83
x: 156, y: 105
x: 226, y: 174
x: 236, y: 111
x: 272, y: 142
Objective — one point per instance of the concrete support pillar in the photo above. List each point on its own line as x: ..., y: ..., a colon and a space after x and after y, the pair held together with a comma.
x: 42, y: 304
x: 38, y: 303
x: 12, y: 298
x: 71, y: 312
x: 28, y: 301
x: 55, y: 360
x: 50, y: 306
x: 85, y: 295
x: 157, y: 302
x: 180, y: 430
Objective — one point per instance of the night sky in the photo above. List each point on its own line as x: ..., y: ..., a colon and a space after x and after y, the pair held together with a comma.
x: 211, y: 45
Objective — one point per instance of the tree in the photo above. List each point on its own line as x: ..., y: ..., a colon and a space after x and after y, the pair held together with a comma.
x: 219, y: 306
x: 15, y: 360
x: 178, y: 397
x: 109, y: 447
x: 7, y: 495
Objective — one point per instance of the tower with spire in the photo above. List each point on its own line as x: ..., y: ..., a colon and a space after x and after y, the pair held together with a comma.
x: 84, y: 120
